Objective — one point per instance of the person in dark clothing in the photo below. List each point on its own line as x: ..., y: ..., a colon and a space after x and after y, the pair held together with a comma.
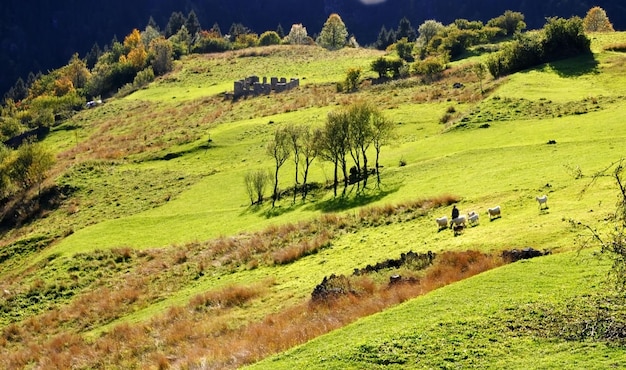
x: 455, y: 212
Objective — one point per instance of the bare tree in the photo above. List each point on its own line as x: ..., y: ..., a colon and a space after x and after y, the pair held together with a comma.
x: 613, y: 242
x: 279, y: 149
x: 309, y: 153
x: 361, y: 133
x: 256, y: 181
x: 294, y: 137
x: 382, y: 133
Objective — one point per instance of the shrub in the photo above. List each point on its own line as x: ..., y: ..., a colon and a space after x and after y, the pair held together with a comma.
x: 144, y: 77
x: 269, y: 38
x: 210, y: 44
x: 404, y: 48
x: 246, y: 40
x: 353, y: 77
x: 430, y: 67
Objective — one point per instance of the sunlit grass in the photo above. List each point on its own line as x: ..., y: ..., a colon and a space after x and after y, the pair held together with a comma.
x: 159, y: 223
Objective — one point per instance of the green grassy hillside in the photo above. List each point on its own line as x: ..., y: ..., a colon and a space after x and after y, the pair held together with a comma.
x: 155, y: 257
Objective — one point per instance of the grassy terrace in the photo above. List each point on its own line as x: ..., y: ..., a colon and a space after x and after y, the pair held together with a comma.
x: 156, y: 258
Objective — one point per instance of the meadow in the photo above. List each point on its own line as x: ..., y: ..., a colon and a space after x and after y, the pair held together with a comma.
x: 156, y: 258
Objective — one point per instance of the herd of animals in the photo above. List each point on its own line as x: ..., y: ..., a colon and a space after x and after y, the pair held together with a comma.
x: 458, y: 222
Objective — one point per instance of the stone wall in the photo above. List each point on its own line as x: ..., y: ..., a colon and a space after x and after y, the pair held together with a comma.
x: 254, y: 86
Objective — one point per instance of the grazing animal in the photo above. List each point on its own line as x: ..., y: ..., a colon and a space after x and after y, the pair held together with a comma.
x: 542, y: 200
x: 442, y: 222
x: 472, y: 218
x: 458, y: 229
x: 494, y: 212
x: 459, y: 221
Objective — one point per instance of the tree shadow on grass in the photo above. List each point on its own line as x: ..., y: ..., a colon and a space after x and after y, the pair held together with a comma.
x: 280, y: 210
x: 345, y: 202
x: 575, y: 67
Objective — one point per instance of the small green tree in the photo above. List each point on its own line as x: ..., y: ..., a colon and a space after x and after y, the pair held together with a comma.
x: 596, y: 20
x: 380, y: 66
x: 353, y: 78
x: 430, y: 68
x: 31, y: 165
x: 269, y: 38
x: 181, y: 42
x: 510, y: 21
x: 404, y: 48
x: 480, y: 70
x: 334, y: 33
x: 5, y: 171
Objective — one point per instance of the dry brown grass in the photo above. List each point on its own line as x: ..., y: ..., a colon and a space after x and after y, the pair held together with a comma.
x: 201, y: 331
x: 304, y: 322
x: 184, y: 335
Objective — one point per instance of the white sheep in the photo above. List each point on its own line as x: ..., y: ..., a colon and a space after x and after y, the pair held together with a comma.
x: 494, y: 212
x: 542, y: 200
x: 442, y: 222
x: 461, y: 220
x: 472, y: 218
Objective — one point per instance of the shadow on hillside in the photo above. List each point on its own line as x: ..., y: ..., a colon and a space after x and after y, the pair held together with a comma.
x: 342, y: 203
x: 575, y: 67
x: 201, y: 148
x: 280, y: 210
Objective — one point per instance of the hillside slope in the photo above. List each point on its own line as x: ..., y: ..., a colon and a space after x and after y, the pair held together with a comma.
x: 155, y: 258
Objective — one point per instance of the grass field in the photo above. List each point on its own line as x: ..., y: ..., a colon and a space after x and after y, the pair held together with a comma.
x: 156, y: 257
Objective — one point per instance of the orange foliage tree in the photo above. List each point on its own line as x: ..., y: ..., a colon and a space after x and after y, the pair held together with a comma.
x: 596, y: 20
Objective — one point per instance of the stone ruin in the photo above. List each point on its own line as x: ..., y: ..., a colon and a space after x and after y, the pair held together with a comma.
x: 254, y: 86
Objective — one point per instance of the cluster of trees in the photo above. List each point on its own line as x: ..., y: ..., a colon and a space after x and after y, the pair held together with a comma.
x: 427, y: 50
x: 23, y: 168
x: 123, y: 67
x: 345, y: 140
x: 560, y: 38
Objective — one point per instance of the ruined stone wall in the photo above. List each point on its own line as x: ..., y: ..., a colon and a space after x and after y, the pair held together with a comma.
x: 254, y: 86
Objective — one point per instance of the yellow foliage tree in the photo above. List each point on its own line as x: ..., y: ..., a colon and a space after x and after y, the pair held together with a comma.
x: 63, y: 86
x: 596, y: 20
x: 77, y: 71
x: 137, y: 54
x: 133, y: 40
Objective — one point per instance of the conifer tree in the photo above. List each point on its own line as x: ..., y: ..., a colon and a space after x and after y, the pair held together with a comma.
x: 176, y: 22
x: 193, y: 24
x: 334, y: 34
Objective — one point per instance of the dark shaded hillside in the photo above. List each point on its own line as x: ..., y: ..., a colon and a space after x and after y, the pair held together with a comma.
x: 42, y: 35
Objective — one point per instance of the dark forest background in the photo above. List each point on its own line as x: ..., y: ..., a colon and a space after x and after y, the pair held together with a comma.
x: 40, y: 35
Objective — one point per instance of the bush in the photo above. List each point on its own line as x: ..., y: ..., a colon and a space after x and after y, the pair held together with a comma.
x: 353, y: 78
x: 246, y: 40
x: 269, y: 38
x: 404, y: 48
x: 430, y: 67
x: 211, y: 45
x: 144, y: 77
x: 565, y: 38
